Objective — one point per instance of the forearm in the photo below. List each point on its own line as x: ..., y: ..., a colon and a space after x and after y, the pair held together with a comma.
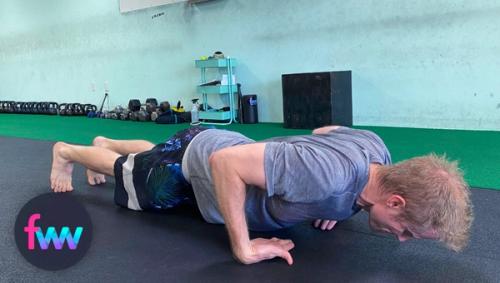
x: 232, y: 169
x: 230, y: 191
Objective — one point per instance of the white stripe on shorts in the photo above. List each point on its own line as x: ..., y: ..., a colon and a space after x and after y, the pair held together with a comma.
x: 185, y: 169
x: 128, y: 183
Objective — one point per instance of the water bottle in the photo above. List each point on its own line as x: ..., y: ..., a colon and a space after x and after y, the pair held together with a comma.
x: 195, y: 118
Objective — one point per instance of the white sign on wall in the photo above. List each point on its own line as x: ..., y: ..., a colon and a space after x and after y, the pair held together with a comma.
x: 132, y: 5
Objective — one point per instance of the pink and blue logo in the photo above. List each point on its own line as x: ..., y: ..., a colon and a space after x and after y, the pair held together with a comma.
x: 53, y: 231
x: 51, y: 235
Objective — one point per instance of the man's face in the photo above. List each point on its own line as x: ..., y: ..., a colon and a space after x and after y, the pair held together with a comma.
x: 383, y: 219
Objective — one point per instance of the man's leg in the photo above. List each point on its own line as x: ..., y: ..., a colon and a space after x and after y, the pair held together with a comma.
x: 122, y: 147
x: 98, y: 159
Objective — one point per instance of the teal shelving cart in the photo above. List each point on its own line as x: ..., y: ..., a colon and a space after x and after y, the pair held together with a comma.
x: 215, y: 116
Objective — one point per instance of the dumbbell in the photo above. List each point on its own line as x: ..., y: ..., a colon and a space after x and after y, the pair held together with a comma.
x: 63, y: 108
x: 151, y: 105
x: 117, y: 112
x: 87, y: 108
x: 134, y: 105
x: 6, y: 106
x: 90, y: 110
x: 113, y: 115
x: 18, y: 108
x: 70, y: 111
x: 133, y: 115
x: 34, y: 107
x: 22, y: 107
x: 155, y: 115
x: 40, y: 108
x: 31, y: 107
x: 12, y: 107
x: 48, y: 108
x: 162, y: 108
x: 77, y: 109
x: 143, y: 115
x: 107, y: 114
x: 52, y: 108
x: 124, y: 115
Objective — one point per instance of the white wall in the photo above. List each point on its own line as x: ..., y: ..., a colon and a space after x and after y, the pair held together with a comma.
x: 415, y: 63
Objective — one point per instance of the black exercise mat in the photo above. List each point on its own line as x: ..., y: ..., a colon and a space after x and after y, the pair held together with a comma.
x: 180, y: 247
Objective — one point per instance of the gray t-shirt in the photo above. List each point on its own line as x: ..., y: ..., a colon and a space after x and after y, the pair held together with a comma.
x: 307, y: 177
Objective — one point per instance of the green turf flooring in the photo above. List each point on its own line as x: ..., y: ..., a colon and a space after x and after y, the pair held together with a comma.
x: 477, y: 151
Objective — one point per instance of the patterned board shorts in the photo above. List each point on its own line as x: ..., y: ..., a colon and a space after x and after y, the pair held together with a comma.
x: 153, y: 180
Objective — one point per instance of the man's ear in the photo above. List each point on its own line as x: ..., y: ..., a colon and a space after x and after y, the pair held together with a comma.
x: 396, y: 201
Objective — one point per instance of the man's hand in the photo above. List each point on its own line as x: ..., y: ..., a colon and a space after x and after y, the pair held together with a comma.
x: 262, y: 249
x: 324, y: 224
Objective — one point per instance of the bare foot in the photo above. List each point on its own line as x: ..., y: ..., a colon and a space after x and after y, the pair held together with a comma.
x: 95, y: 178
x: 60, y: 176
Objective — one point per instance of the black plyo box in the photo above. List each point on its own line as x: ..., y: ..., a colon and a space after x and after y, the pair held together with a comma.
x: 312, y: 100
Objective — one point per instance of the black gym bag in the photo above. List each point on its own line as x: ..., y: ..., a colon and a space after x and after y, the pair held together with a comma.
x: 171, y: 117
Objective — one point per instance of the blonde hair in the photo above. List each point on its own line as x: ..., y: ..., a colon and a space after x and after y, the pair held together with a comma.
x: 436, y: 195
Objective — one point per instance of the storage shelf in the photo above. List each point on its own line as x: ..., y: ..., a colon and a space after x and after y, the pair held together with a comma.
x: 221, y: 89
x: 217, y: 115
x: 229, y: 91
x: 215, y: 63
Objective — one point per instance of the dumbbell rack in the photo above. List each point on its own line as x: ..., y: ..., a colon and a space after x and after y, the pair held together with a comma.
x: 226, y: 117
x: 45, y: 108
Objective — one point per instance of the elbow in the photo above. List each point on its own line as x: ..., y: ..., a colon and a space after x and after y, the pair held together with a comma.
x: 211, y: 159
x: 216, y: 160
x: 221, y: 165
x: 221, y: 171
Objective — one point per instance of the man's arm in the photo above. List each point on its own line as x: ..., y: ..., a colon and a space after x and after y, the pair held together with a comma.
x: 232, y: 169
x: 324, y: 130
x: 324, y: 224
